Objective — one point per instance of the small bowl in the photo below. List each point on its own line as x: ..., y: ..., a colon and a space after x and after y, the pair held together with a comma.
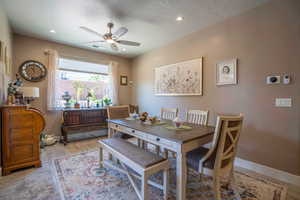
x: 134, y: 115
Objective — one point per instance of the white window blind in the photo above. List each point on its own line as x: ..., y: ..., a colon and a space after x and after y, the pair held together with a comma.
x: 81, y: 66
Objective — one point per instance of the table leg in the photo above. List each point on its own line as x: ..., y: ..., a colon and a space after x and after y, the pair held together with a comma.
x: 101, y: 157
x: 110, y: 134
x: 139, y: 142
x: 181, y: 173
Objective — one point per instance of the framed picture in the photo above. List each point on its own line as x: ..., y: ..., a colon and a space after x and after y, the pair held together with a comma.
x: 226, y: 72
x: 180, y: 79
x: 123, y: 80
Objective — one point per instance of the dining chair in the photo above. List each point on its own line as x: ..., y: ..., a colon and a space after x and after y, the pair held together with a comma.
x: 118, y: 112
x: 168, y: 113
x: 133, y: 108
x: 199, y: 117
x: 220, y: 157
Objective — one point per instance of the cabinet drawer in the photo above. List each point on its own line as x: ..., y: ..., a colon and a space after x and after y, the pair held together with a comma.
x: 135, y: 133
x: 144, y: 136
x: 161, y: 141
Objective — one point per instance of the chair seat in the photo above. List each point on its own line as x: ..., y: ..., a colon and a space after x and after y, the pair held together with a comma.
x: 193, y: 158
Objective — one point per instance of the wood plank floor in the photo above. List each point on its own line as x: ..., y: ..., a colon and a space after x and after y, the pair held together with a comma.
x: 59, y: 150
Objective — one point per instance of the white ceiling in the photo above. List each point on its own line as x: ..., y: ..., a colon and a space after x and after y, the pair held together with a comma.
x: 150, y: 22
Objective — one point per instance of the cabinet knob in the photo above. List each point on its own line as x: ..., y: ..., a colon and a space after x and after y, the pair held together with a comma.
x: 117, y: 126
x: 157, y: 139
x: 133, y: 131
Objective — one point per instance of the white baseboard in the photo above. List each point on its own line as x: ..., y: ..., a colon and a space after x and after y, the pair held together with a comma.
x: 268, y: 171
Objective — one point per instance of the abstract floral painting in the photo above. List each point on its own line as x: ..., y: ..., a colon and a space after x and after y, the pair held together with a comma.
x: 180, y: 79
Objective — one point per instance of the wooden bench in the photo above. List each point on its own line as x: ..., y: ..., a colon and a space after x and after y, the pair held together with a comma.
x: 141, y: 161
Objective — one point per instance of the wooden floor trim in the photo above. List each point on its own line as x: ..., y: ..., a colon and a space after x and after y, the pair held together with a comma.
x: 268, y: 171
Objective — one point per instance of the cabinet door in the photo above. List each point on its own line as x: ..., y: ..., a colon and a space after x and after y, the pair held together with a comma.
x: 72, y: 118
x: 94, y: 117
x: 21, y: 138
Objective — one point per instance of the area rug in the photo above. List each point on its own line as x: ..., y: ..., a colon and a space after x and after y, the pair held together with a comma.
x: 30, y: 184
x: 80, y: 178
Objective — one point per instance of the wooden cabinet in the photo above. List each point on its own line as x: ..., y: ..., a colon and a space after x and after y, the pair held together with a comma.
x: 20, y: 137
x: 82, y: 120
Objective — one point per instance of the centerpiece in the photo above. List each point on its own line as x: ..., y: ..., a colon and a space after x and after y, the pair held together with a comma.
x: 144, y: 116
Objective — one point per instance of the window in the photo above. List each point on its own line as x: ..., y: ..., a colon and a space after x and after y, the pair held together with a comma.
x: 80, y: 79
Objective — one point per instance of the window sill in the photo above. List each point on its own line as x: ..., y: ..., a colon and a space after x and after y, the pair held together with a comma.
x: 82, y: 108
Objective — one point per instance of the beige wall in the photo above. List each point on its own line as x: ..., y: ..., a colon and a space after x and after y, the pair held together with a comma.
x: 266, y: 40
x: 26, y: 48
x: 6, y: 38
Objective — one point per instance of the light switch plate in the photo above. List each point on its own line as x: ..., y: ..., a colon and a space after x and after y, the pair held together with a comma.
x: 273, y: 80
x: 283, y: 102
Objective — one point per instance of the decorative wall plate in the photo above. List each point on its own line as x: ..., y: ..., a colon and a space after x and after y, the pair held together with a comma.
x: 33, y: 71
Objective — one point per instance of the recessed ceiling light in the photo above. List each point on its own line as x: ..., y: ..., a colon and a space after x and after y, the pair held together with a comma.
x: 123, y: 49
x: 179, y: 18
x: 52, y: 31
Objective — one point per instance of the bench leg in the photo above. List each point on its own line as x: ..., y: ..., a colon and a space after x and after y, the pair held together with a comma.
x: 166, y: 183
x: 144, y: 187
x: 157, y: 149
x: 101, y: 157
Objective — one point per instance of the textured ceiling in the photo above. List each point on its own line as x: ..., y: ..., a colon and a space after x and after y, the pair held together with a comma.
x: 150, y: 22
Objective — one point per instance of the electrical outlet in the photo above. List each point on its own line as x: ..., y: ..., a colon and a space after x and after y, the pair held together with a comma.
x: 283, y: 102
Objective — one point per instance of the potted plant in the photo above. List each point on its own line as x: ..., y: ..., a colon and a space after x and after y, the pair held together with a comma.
x: 78, y: 86
x: 107, y: 101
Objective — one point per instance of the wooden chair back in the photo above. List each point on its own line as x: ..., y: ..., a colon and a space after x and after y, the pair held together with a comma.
x: 168, y: 113
x: 134, y: 108
x: 117, y: 112
x: 224, y: 146
x: 225, y: 140
x: 197, y: 117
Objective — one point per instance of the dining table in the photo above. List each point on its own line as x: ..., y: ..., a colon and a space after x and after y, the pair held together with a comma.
x: 165, y: 135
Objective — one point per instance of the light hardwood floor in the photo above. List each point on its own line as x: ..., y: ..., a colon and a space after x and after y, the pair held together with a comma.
x: 60, y: 150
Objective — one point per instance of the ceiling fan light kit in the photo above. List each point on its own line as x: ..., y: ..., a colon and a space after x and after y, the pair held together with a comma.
x: 112, y: 38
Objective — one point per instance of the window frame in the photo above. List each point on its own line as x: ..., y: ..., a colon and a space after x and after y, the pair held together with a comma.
x: 57, y: 99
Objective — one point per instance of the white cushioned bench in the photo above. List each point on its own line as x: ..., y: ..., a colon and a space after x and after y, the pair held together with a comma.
x: 141, y: 161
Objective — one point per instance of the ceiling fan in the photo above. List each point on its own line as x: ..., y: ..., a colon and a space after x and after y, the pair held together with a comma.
x: 112, y: 38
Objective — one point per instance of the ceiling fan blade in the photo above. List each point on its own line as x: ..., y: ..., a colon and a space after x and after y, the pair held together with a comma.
x: 130, y: 43
x: 114, y: 47
x: 91, y: 31
x: 120, y: 32
x: 93, y: 42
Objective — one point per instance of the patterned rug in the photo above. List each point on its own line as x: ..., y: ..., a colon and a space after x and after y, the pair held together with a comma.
x: 33, y: 184
x: 80, y: 178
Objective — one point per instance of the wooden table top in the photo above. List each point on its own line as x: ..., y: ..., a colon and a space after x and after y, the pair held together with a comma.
x: 178, y: 136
